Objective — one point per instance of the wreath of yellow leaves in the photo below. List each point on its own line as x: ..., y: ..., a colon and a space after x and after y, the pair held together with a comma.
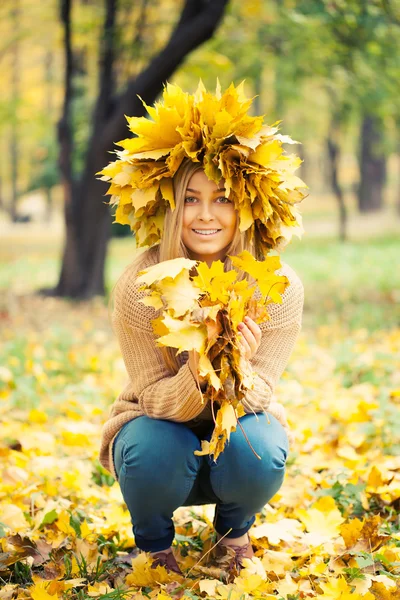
x: 215, y: 130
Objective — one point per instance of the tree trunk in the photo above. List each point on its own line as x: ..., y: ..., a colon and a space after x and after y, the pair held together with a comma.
x: 398, y: 175
x: 71, y: 257
x: 333, y: 148
x: 372, y: 165
x: 49, y: 205
x: 49, y: 105
x: 88, y: 221
x: 14, y: 153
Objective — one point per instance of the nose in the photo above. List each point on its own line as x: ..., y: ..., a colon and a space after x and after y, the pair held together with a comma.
x: 205, y: 212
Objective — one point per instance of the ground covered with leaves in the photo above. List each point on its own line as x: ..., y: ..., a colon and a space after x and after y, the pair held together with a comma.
x: 332, y: 530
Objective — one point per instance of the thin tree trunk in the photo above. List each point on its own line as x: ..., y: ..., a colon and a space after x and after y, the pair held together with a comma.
x: 257, y: 71
x: 398, y: 175
x: 49, y: 104
x: 82, y: 274
x: 333, y: 148
x: 372, y: 165
x: 49, y: 205
x: 14, y: 153
x: 70, y: 261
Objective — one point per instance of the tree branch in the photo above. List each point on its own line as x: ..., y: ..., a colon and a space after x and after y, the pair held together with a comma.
x: 64, y: 125
x: 104, y: 101
x: 197, y: 24
x: 390, y: 11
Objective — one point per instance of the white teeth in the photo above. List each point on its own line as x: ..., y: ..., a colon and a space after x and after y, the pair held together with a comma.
x: 205, y: 231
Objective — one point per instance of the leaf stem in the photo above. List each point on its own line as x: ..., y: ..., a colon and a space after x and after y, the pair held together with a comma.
x: 247, y: 440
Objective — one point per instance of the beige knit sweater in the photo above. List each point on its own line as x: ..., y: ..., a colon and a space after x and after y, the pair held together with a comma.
x: 155, y: 391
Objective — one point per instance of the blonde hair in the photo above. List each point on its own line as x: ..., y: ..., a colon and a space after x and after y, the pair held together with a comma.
x: 171, y: 245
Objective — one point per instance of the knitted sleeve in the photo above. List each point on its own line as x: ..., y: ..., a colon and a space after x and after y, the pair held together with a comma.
x: 160, y: 393
x: 279, y: 335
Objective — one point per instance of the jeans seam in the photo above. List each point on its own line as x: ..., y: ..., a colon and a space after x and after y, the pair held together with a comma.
x: 122, y: 479
x: 218, y: 486
x: 122, y: 470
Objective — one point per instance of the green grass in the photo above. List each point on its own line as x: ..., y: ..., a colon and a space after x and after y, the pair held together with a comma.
x: 356, y: 283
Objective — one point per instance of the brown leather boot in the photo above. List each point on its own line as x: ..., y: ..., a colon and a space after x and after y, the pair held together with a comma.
x: 231, y: 557
x: 166, y: 559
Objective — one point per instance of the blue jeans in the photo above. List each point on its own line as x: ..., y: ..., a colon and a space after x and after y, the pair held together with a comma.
x: 159, y: 472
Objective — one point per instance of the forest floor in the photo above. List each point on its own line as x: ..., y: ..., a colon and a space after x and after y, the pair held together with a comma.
x: 332, y: 529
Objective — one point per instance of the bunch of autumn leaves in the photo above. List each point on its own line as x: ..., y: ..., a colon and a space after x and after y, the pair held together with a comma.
x: 202, y: 307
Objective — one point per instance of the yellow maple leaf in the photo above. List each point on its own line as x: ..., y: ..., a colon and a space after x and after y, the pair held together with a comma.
x: 226, y: 422
x: 39, y: 591
x: 183, y: 335
x: 144, y: 575
x: 153, y: 299
x: 380, y: 591
x: 214, y: 280
x: 339, y: 589
x: 63, y: 523
x: 363, y: 536
x: 180, y: 294
x: 209, y: 586
x: 323, y: 519
x: 286, y: 586
x: 207, y: 370
x: 251, y: 583
x: 277, y: 562
x: 98, y: 589
x: 271, y: 285
x: 287, y: 530
x: 166, y: 268
x: 375, y: 479
x: 351, y: 531
x: 13, y: 517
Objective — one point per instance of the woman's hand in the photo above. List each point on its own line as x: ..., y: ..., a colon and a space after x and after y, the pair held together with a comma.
x: 250, y: 337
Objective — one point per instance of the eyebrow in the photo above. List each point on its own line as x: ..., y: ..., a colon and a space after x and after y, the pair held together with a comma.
x: 197, y: 191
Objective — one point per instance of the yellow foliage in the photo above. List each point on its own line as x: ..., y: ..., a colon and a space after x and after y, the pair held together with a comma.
x: 322, y: 520
x: 216, y: 130
x: 202, y: 308
x: 143, y: 574
x: 39, y: 591
x: 306, y: 546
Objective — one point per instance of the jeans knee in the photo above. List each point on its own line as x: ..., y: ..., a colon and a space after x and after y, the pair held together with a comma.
x: 261, y: 438
x: 253, y: 466
x: 155, y: 453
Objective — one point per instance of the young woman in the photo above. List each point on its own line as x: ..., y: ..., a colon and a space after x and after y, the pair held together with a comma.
x: 158, y: 421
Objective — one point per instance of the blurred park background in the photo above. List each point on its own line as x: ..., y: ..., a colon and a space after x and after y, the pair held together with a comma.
x: 70, y: 70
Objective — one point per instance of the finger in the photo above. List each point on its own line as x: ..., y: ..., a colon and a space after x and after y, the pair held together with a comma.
x: 246, y: 349
x: 254, y: 328
x: 251, y: 340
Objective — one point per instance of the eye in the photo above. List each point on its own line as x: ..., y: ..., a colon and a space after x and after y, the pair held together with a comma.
x: 190, y: 200
x: 223, y: 200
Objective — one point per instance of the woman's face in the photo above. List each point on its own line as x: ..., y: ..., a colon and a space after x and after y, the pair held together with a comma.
x: 209, y: 219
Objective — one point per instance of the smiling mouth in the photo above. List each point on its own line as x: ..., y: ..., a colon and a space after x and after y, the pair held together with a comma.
x: 206, y: 232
